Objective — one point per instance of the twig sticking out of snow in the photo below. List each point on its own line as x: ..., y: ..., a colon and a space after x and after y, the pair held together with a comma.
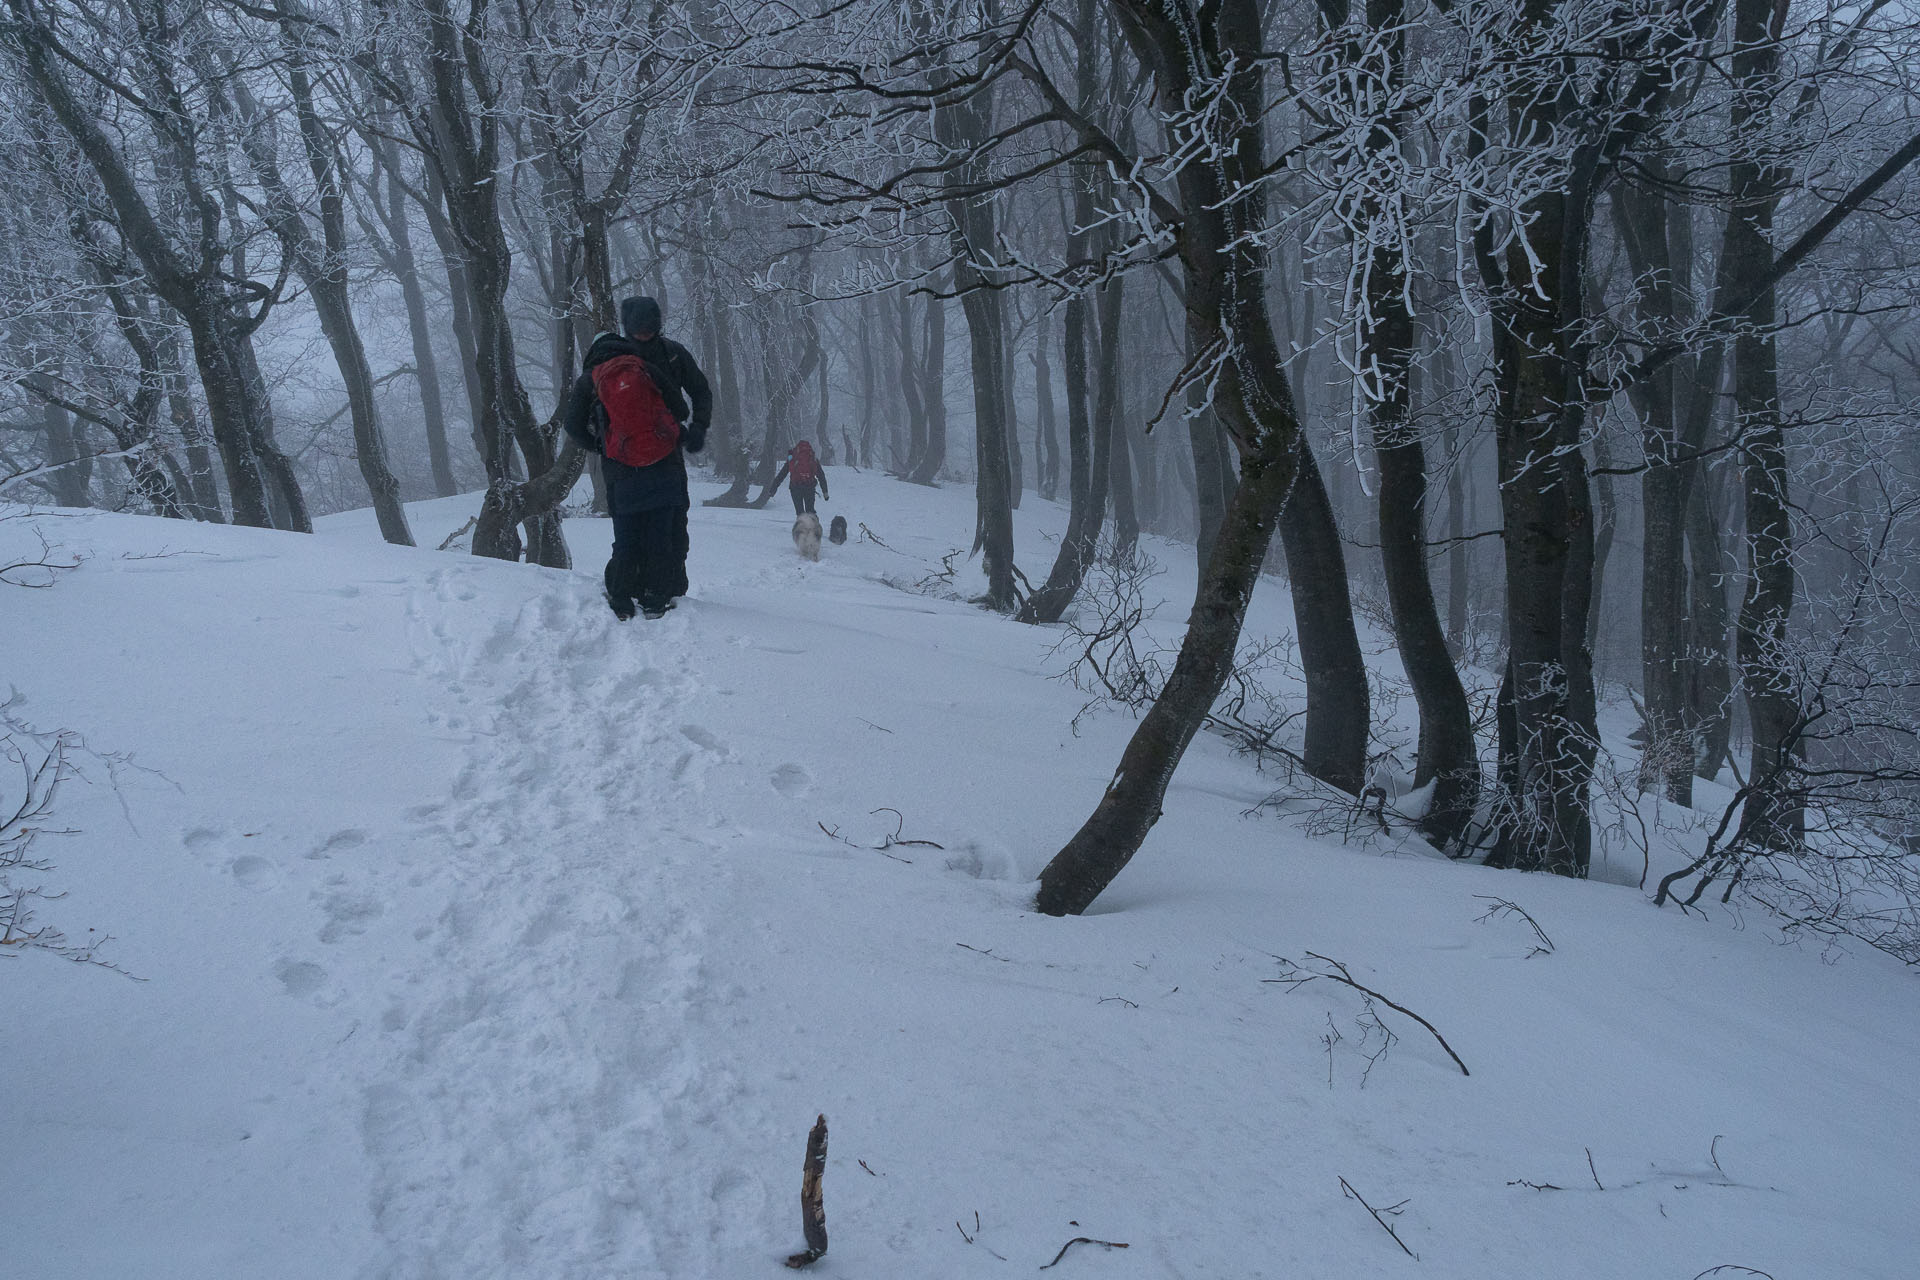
x: 813, y: 1213
x: 1300, y: 977
x: 1502, y: 907
x: 1346, y: 1188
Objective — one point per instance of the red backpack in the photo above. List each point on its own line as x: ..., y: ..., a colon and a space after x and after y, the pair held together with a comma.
x: 641, y: 430
x: 803, y: 468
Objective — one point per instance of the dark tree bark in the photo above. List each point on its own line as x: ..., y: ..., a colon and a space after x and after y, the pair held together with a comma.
x: 1457, y: 563
x: 1709, y: 686
x: 459, y: 130
x: 1448, y: 758
x: 1109, y: 392
x: 1643, y: 218
x: 1335, y: 748
x: 1765, y: 675
x: 202, y: 492
x: 1213, y: 473
x: 1226, y: 301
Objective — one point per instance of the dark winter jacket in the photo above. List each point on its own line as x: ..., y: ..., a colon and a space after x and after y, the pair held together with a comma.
x: 664, y: 483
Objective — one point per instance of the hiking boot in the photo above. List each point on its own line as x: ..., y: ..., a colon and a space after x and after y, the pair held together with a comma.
x: 656, y: 606
x: 622, y: 607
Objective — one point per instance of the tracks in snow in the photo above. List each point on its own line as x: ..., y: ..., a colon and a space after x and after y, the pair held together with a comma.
x: 546, y: 1061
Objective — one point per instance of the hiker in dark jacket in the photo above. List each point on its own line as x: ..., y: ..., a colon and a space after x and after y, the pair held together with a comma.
x: 648, y: 501
x: 804, y: 470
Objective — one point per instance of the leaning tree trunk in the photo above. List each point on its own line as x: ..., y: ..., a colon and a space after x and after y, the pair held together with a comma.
x: 1220, y: 193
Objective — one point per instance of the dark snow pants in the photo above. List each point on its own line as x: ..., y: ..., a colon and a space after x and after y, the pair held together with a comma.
x: 802, y: 498
x: 649, y: 561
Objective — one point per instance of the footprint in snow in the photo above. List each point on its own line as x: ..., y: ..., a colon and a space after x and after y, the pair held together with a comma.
x: 701, y: 737
x: 791, y: 780
x: 339, y: 841
x: 251, y: 871
x: 347, y: 915
x: 300, y: 977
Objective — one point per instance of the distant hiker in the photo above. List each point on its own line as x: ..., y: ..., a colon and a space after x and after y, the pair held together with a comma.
x: 804, y: 471
x: 630, y: 406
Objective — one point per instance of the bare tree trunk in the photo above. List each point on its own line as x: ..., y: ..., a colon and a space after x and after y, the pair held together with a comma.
x: 202, y: 493
x: 1046, y: 440
x: 323, y: 268
x: 65, y: 450
x: 934, y: 395
x: 1226, y: 304
x: 1089, y: 435
x: 463, y: 144
x: 426, y: 366
x: 1457, y: 570
x: 1335, y: 750
x: 908, y: 381
x: 1765, y: 674
x: 1213, y: 475
x: 1108, y: 390
x: 459, y: 304
x: 1709, y: 670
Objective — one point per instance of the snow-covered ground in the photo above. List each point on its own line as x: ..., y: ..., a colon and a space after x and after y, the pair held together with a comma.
x: 482, y: 936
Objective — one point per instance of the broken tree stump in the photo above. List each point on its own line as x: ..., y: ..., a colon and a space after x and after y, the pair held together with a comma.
x: 813, y: 1213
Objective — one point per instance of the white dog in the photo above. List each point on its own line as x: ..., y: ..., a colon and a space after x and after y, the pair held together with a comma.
x: 806, y: 536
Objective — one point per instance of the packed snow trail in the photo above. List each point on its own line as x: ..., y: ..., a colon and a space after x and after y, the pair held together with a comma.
x: 546, y: 1056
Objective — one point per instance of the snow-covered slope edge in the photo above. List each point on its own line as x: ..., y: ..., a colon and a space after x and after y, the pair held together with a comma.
x: 485, y: 937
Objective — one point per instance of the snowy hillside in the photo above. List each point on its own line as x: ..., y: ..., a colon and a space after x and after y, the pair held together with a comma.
x: 482, y: 936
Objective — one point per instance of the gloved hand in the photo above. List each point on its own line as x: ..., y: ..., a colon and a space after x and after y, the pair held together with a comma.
x: 696, y: 438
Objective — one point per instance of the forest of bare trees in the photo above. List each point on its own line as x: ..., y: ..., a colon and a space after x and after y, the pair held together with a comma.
x: 1567, y: 350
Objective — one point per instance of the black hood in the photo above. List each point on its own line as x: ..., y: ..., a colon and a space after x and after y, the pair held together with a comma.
x: 639, y: 315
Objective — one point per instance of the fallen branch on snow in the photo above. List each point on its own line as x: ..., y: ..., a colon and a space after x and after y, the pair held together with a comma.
x: 1346, y: 1188
x: 1111, y: 1244
x: 1301, y: 976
